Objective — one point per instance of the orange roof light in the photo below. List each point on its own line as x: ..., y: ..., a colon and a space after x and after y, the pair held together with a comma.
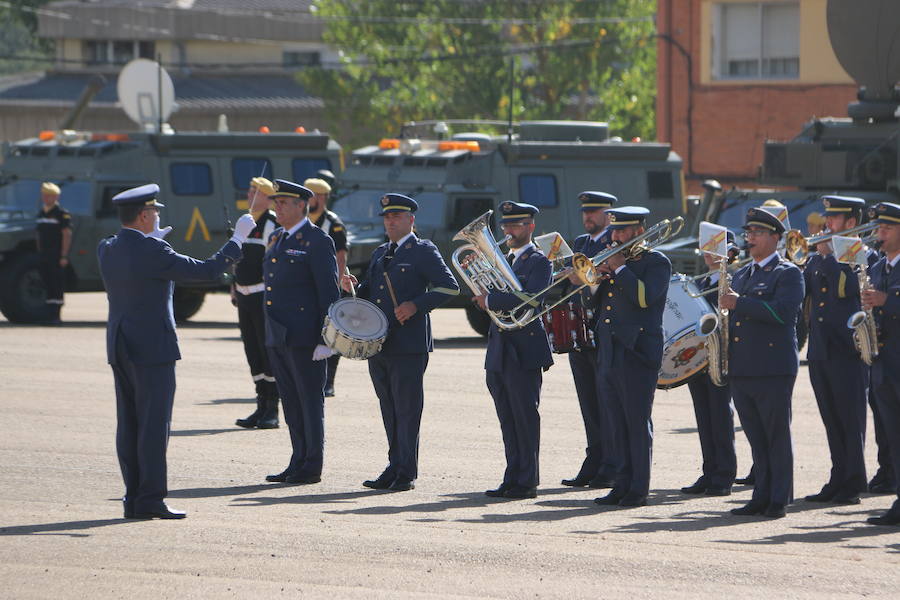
x: 264, y: 129
x: 300, y: 129
x: 471, y: 146
x: 46, y: 136
x: 389, y: 144
x: 109, y: 137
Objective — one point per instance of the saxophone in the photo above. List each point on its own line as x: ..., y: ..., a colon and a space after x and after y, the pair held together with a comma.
x: 865, y: 333
x: 717, y: 341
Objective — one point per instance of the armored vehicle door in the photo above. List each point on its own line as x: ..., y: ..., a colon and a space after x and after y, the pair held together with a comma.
x: 542, y: 187
x: 194, y: 198
x: 89, y: 231
x: 462, y: 209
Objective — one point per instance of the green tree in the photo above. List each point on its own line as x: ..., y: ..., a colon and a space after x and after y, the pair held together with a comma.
x: 20, y: 48
x: 409, y: 60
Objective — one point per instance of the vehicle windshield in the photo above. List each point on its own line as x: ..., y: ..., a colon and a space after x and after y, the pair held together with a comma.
x: 21, y: 198
x: 735, y: 211
x: 363, y: 206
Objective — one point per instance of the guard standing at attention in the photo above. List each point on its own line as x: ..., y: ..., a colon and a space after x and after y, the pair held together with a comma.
x: 884, y: 300
x: 406, y: 279
x: 332, y: 225
x: 713, y: 408
x: 515, y: 358
x: 630, y: 346
x: 839, y: 377
x: 301, y: 283
x: 598, y: 470
x: 248, y: 293
x: 138, y: 270
x: 54, y: 238
x: 764, y: 301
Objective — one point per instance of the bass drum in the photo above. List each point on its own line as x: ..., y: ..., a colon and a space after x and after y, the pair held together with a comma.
x: 355, y: 328
x: 567, y: 328
x: 686, y: 323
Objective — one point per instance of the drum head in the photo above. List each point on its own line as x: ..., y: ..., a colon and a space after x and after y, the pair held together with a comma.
x: 359, y: 318
x: 683, y: 357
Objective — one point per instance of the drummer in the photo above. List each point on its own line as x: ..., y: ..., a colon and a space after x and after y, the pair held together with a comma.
x: 406, y: 278
x: 713, y: 408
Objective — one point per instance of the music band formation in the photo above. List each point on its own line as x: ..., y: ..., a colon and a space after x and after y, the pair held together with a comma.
x: 604, y: 303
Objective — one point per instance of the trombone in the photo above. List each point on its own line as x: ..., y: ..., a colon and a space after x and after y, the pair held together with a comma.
x: 797, y: 247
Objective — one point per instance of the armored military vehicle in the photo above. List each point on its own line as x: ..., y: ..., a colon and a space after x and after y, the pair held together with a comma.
x: 858, y: 155
x: 203, y: 177
x: 457, y: 170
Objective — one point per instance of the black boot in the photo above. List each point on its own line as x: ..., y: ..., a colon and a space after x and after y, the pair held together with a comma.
x: 332, y: 364
x: 253, y: 420
x: 269, y: 417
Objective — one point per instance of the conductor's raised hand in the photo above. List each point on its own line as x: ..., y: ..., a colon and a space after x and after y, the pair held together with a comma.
x: 242, y: 228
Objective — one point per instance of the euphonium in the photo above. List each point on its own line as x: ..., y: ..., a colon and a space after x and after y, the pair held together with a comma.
x: 865, y: 333
x: 717, y: 341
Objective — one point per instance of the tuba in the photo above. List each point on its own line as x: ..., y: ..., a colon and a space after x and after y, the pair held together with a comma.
x: 865, y: 333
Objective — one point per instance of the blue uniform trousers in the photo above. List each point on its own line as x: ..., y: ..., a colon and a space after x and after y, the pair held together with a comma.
x: 840, y: 387
x: 598, y: 461
x: 301, y: 385
x: 517, y: 393
x: 715, y: 426
x: 881, y: 438
x: 764, y: 406
x: 629, y: 386
x: 397, y: 380
x: 144, y: 397
x: 888, y: 399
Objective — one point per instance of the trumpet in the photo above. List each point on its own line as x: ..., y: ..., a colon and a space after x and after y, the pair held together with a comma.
x: 797, y: 247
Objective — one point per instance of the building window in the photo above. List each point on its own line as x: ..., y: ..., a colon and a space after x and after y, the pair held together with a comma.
x: 300, y: 59
x: 538, y: 190
x: 757, y: 40
x: 116, y: 52
x: 191, y: 179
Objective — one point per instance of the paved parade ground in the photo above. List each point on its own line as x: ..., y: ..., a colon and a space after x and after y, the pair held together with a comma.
x: 62, y: 534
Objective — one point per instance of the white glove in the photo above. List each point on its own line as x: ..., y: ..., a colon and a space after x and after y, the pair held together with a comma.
x: 322, y: 352
x: 157, y: 232
x: 242, y: 229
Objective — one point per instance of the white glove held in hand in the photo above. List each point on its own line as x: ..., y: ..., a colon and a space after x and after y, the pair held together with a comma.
x: 322, y: 352
x: 157, y: 232
x: 242, y: 229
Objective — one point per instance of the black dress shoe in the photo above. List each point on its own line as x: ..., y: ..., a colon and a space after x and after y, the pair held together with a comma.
x: 303, y: 478
x: 576, y: 482
x: 383, y: 482
x: 846, y: 499
x: 891, y: 517
x: 518, y: 492
x: 601, y: 483
x: 163, y: 512
x: 329, y: 391
x: 749, y: 509
x: 825, y: 495
x: 750, y: 479
x: 631, y: 500
x: 774, y: 511
x: 128, y: 510
x: 882, y: 487
x: 611, y: 499
x: 498, y: 493
x: 402, y: 485
x: 278, y: 477
x: 718, y: 491
x: 698, y: 487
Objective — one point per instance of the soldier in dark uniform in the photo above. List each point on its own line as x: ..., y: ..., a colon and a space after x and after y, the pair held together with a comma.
x: 332, y: 225
x: 764, y: 301
x: 839, y: 377
x: 630, y: 345
x: 713, y: 409
x: 406, y: 279
x: 301, y: 283
x: 248, y: 293
x: 54, y: 238
x: 598, y: 470
x: 884, y: 300
x: 515, y: 358
x: 138, y: 270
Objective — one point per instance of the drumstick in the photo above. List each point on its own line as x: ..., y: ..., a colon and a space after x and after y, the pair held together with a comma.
x: 387, y: 280
x: 347, y: 273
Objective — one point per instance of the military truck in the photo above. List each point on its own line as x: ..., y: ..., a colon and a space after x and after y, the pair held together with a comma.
x: 459, y: 169
x: 203, y: 177
x: 858, y: 155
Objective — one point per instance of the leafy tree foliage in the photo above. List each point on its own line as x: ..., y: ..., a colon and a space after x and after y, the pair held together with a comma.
x: 20, y: 48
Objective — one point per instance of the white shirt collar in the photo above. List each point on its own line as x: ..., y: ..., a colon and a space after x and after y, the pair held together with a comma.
x: 138, y: 230
x: 766, y: 259
x: 894, y: 262
x: 401, y: 241
x: 594, y: 238
x: 297, y: 227
x: 519, y: 251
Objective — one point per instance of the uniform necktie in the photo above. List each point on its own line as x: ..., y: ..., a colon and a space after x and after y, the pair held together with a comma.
x: 753, y: 269
x: 390, y: 253
x: 511, y: 258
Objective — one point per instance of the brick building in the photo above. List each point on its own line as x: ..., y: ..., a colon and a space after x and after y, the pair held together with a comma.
x: 733, y: 73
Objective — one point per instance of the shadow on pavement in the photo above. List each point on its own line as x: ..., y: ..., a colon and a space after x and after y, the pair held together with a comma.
x: 63, y: 325
x: 334, y: 498
x: 461, y: 342
x: 228, y: 401
x: 842, y: 531
x: 65, y: 528
x: 212, y: 492
x: 191, y: 432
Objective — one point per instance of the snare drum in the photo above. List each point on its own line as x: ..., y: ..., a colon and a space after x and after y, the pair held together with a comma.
x: 355, y: 328
x: 686, y: 323
x: 567, y: 328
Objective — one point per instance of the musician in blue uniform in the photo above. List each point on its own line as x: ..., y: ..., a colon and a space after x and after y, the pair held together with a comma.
x: 301, y: 283
x: 516, y: 358
x: 598, y: 469
x: 138, y: 270
x: 406, y: 279
x: 713, y: 408
x: 629, y: 348
x: 839, y: 377
x: 764, y: 301
x: 884, y: 300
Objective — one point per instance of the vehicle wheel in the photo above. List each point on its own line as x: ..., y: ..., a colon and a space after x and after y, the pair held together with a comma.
x: 22, y: 294
x: 478, y: 319
x: 186, y: 302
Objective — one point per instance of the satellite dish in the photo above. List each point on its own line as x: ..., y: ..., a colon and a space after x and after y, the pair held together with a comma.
x: 146, y: 93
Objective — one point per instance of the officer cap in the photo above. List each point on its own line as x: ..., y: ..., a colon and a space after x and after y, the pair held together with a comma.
x: 513, y: 212
x: 143, y: 194
x: 319, y: 186
x: 624, y: 216
x: 836, y: 205
x: 289, y: 189
x: 397, y: 203
x: 48, y: 187
x: 594, y: 200
x: 263, y: 185
x: 885, y: 212
x: 760, y: 217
